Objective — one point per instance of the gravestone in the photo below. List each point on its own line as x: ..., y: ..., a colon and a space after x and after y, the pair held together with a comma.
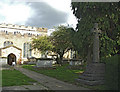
x: 75, y: 62
x: 44, y: 62
x: 32, y: 60
x: 94, y: 73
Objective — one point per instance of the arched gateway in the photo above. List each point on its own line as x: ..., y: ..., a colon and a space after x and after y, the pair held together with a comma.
x: 11, y: 58
x: 12, y: 54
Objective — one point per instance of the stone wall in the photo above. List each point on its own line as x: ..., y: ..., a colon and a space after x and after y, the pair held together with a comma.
x: 3, y: 61
x: 19, y: 34
x: 9, y: 50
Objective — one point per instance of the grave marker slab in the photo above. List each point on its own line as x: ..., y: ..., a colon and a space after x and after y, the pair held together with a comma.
x: 44, y: 62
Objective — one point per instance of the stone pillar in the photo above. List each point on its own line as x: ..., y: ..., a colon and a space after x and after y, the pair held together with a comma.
x: 94, y: 73
x: 96, y: 32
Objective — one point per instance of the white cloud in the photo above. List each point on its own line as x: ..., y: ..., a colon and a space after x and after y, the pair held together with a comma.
x: 50, y: 31
x: 64, y: 5
x: 72, y: 21
x: 18, y: 12
x: 15, y: 13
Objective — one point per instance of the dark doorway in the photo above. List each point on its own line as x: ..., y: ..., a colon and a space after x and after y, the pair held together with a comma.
x: 11, y: 58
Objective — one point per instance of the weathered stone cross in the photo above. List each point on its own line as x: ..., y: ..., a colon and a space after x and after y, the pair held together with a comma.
x: 95, y: 71
x: 96, y: 32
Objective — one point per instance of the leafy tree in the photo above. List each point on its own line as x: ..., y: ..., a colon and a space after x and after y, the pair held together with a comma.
x: 61, y: 40
x: 107, y: 16
x: 42, y: 44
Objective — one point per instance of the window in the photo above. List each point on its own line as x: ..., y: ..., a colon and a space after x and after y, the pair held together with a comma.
x: 6, y: 32
x: 7, y: 43
x: 0, y: 52
x: 14, y: 33
x: 29, y: 34
x: 27, y: 52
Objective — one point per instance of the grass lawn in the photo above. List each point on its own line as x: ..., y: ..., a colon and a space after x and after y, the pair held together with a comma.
x: 61, y: 72
x: 15, y: 78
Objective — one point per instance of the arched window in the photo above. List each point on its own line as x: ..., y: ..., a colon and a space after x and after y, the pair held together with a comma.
x: 29, y: 34
x: 15, y: 33
x: 6, y: 32
x: 7, y: 43
x: 27, y: 52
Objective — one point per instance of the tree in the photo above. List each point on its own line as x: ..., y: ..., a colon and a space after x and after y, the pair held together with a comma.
x: 61, y: 40
x: 107, y: 16
x: 42, y: 44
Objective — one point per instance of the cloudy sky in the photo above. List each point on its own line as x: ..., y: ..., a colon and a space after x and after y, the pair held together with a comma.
x: 38, y: 13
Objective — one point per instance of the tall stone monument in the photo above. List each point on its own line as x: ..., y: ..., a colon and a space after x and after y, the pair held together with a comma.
x: 96, y: 32
x: 94, y: 73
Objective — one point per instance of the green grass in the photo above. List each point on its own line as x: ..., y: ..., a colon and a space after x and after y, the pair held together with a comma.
x: 64, y: 74
x: 61, y: 72
x: 15, y: 78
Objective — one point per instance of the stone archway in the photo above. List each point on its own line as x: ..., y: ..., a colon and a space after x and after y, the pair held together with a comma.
x: 11, y: 58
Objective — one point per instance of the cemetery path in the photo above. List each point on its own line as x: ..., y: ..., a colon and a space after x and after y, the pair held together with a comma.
x: 49, y: 82
x: 24, y: 87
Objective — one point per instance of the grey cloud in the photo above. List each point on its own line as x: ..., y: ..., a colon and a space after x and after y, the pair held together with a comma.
x: 45, y: 15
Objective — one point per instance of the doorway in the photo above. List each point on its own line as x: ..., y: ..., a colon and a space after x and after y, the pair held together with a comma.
x: 11, y: 58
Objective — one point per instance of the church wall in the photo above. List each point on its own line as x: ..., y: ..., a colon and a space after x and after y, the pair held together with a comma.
x: 20, y: 37
x: 9, y: 50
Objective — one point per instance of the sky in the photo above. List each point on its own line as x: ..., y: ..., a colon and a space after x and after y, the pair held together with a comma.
x: 38, y: 13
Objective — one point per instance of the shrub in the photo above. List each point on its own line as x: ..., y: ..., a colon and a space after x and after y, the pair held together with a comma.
x: 112, y: 73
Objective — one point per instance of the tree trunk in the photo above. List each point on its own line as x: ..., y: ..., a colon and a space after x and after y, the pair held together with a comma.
x: 61, y: 59
x: 57, y: 59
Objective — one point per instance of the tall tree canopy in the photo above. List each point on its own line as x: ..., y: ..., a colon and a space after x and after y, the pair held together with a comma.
x: 107, y: 16
x: 42, y: 44
x: 61, y: 40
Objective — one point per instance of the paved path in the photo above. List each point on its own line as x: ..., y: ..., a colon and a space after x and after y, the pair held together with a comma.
x: 25, y: 87
x: 49, y: 82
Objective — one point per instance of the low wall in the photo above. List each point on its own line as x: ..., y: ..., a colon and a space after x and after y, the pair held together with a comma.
x: 3, y: 61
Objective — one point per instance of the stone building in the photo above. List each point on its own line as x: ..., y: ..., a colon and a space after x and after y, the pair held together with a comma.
x: 15, y: 42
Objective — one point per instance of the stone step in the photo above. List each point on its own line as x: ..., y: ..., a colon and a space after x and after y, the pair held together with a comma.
x: 91, y: 83
x: 93, y: 74
x: 95, y: 71
x: 95, y: 67
x: 92, y: 68
x: 91, y: 78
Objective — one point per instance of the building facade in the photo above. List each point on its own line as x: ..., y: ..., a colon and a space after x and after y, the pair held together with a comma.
x: 15, y: 42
